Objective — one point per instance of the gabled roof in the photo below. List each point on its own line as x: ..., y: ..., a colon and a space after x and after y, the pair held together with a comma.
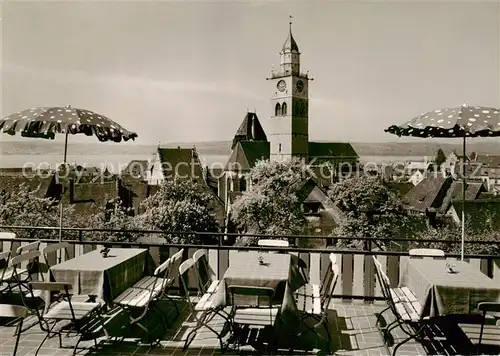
x: 400, y: 188
x: 429, y: 193
x: 249, y: 130
x: 472, y: 192
x: 331, y: 150
x: 180, y: 163
x: 246, y: 154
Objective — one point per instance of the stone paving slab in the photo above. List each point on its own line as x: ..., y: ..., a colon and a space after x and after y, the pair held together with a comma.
x: 351, y: 324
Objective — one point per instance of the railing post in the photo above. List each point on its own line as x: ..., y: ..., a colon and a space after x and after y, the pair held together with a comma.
x: 219, y: 244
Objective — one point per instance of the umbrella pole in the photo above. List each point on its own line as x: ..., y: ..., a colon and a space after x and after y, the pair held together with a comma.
x: 463, y: 202
x: 61, y: 201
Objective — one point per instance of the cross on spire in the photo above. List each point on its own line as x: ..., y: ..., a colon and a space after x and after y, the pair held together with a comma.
x: 290, y: 21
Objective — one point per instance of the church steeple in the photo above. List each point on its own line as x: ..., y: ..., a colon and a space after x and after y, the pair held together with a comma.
x: 289, y: 121
x: 290, y: 45
x: 290, y: 55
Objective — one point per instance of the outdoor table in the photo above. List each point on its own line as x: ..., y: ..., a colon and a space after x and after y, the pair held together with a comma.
x: 279, y: 272
x: 104, y: 277
x: 442, y: 293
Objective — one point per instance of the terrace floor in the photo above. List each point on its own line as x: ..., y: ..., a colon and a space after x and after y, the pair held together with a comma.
x: 351, y: 323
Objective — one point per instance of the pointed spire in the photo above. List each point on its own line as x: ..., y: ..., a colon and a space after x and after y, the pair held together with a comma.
x: 290, y: 44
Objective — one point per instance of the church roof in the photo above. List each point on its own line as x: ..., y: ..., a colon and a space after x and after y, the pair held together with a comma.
x: 249, y: 130
x: 246, y: 154
x: 330, y: 150
x: 290, y: 44
x: 180, y: 163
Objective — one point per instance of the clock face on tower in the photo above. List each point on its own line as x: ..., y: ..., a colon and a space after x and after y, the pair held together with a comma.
x: 300, y: 86
x: 281, y: 85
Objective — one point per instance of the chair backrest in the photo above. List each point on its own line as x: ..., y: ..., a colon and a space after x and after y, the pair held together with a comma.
x: 53, y: 287
x: 204, y: 272
x: 426, y: 252
x: 385, y: 285
x: 176, y: 260
x: 183, y: 271
x: 162, y: 269
x: 273, y: 243
x: 13, y: 311
x: 4, y: 263
x: 328, y: 275
x: 32, y: 246
x: 248, y: 291
x: 328, y: 286
x: 51, y: 248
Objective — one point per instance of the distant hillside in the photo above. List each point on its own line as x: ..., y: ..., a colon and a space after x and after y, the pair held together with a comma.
x: 221, y: 148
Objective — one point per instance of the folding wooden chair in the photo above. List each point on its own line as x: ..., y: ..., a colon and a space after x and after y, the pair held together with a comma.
x: 405, y: 308
x: 313, y: 301
x: 84, y: 318
x: 17, y: 312
x: 204, y: 306
x: 250, y: 318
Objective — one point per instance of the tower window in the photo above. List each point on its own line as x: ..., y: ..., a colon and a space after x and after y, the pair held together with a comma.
x: 243, y: 184
x: 283, y: 109
x: 279, y: 147
x: 277, y: 110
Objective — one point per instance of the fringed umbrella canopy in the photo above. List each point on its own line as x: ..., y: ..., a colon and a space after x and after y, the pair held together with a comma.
x: 464, y: 121
x: 45, y: 122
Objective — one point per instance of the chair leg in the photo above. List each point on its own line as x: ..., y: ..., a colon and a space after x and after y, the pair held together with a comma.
x: 20, y: 326
x: 379, y: 316
x: 45, y: 338
x: 410, y: 337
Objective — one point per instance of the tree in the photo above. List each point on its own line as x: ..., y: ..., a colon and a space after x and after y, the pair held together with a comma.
x: 372, y: 210
x: 273, y: 205
x: 180, y: 206
x: 114, y: 216
x: 440, y: 158
x: 25, y: 207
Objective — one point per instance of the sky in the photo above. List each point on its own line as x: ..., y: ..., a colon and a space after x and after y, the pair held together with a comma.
x: 189, y: 71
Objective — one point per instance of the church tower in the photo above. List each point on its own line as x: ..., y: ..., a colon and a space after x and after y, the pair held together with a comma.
x: 289, y: 121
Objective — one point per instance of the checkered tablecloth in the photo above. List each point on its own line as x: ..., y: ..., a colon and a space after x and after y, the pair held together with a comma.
x: 442, y: 293
x: 106, y: 278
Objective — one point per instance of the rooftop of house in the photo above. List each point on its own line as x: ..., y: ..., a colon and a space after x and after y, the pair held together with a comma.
x: 331, y: 151
x: 181, y: 163
x: 429, y: 193
x: 472, y: 191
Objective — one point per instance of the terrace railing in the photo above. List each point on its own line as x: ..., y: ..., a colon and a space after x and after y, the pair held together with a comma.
x: 357, y: 279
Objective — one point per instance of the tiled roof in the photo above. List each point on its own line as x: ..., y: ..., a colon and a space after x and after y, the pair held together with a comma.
x: 12, y: 182
x: 249, y: 130
x: 246, y: 154
x: 331, y: 150
x: 473, y: 189
x: 180, y: 163
x: 401, y: 188
x: 429, y: 193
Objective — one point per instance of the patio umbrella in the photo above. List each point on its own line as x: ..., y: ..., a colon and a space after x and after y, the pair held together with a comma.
x: 465, y: 121
x: 45, y: 122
